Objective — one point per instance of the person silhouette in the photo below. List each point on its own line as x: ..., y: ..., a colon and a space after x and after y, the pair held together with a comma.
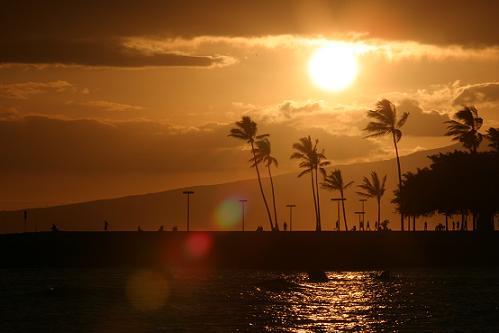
x: 453, y: 225
x: 139, y: 228
x: 106, y: 225
x: 161, y: 228
x: 361, y: 226
x: 338, y: 225
x: 260, y: 228
x: 457, y: 225
x: 54, y: 228
x: 368, y: 227
x: 425, y: 226
x: 285, y: 226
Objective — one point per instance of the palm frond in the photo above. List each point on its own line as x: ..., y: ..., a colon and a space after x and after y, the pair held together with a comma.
x: 347, y: 185
x: 397, y: 134
x: 304, y: 172
x: 402, y: 120
x: 297, y: 155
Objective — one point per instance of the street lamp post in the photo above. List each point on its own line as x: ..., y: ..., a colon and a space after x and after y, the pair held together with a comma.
x: 291, y: 206
x: 188, y: 193
x: 363, y: 212
x: 338, y: 200
x: 243, y: 201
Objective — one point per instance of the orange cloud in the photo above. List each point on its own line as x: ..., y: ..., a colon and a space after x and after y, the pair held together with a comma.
x: 26, y: 89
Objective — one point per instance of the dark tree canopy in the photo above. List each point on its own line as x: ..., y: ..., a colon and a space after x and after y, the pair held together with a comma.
x: 453, y: 183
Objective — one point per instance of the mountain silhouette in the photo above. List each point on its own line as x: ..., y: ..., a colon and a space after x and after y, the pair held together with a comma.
x: 217, y: 207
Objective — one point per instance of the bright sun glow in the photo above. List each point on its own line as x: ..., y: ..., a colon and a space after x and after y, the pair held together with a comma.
x: 333, y: 67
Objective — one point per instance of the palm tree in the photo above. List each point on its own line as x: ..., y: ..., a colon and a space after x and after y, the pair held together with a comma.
x: 493, y: 136
x: 263, y: 154
x: 465, y: 128
x: 334, y: 182
x: 386, y: 122
x: 373, y: 188
x: 246, y: 130
x: 313, y: 162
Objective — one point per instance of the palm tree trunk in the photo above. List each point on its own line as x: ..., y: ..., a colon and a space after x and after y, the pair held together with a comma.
x: 261, y: 187
x: 343, y: 208
x: 315, y: 200
x: 276, y: 224
x: 318, y: 201
x: 400, y: 179
x: 379, y: 213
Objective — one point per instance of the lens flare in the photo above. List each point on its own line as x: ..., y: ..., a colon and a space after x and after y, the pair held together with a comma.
x: 198, y: 245
x: 147, y: 290
x: 228, y: 213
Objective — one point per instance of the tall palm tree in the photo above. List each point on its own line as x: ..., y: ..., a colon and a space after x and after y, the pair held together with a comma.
x: 334, y: 182
x: 465, y: 128
x: 263, y: 154
x: 373, y: 188
x: 386, y: 122
x: 493, y: 136
x: 313, y: 161
x: 246, y: 130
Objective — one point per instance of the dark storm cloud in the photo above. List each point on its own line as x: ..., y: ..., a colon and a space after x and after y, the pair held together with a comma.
x: 85, y: 32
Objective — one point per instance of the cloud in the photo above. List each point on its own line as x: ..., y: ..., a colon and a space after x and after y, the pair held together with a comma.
x: 38, y: 145
x: 428, y: 21
x: 336, y: 119
x: 8, y: 113
x: 25, y: 90
x: 98, y: 53
x: 346, y: 120
x: 111, y: 106
x: 155, y: 33
x: 477, y: 94
x: 447, y: 98
x: 360, y: 44
x: 420, y: 122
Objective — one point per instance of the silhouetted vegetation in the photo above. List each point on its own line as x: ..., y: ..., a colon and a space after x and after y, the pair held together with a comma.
x: 465, y: 128
x: 374, y: 188
x: 334, y: 182
x: 313, y: 161
x: 454, y: 183
x: 493, y: 136
x: 263, y: 155
x: 386, y: 122
x: 457, y: 182
x: 247, y: 130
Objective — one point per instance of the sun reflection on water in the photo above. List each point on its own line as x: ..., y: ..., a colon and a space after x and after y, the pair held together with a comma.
x: 348, y: 301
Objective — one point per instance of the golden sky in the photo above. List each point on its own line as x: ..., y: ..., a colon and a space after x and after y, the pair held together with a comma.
x: 101, y: 100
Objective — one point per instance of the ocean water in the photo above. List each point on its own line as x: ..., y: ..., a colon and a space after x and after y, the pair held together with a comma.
x: 141, y: 300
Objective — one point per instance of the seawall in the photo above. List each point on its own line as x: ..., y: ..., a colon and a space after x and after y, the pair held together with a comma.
x: 254, y: 250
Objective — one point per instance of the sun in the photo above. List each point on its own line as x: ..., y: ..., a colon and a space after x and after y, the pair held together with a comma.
x: 333, y: 67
